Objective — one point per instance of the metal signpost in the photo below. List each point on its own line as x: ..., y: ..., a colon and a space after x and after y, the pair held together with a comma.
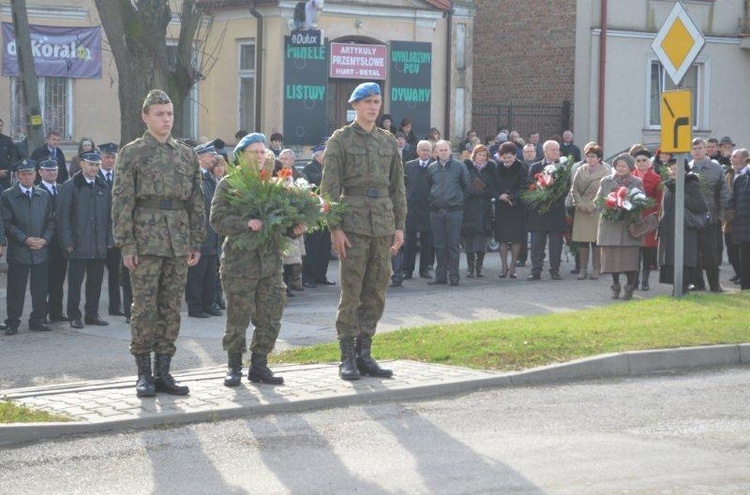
x: 677, y: 44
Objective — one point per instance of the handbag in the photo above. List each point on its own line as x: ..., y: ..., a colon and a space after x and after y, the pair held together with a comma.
x: 697, y: 221
x: 643, y: 226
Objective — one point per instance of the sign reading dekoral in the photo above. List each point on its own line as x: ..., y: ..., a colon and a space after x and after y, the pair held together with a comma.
x: 357, y: 61
x: 58, y: 51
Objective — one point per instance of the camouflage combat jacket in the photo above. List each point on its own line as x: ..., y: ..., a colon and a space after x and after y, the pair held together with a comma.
x: 363, y: 170
x: 157, y: 201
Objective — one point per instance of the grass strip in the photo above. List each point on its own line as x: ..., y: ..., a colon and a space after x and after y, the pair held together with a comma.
x: 14, y: 413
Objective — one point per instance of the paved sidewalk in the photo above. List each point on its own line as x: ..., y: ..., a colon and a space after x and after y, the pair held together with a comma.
x: 97, y: 406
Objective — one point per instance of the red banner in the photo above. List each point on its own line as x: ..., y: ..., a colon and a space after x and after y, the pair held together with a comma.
x: 357, y: 61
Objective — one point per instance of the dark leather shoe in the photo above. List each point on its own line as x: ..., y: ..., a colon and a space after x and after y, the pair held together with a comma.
x: 454, y: 283
x: 116, y: 312
x: 221, y: 304
x: 396, y: 283
x: 534, y: 276
x: 76, y: 323
x: 555, y: 276
x: 520, y: 264
x: 39, y: 327
x: 11, y: 330
x: 425, y: 274
x: 326, y: 282
x: 198, y: 314
x: 214, y: 312
x: 309, y: 285
x: 407, y: 276
x: 127, y: 320
x: 3, y: 326
x: 96, y: 321
x: 58, y: 318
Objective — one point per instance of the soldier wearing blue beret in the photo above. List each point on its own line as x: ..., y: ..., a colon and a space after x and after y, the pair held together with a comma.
x: 363, y: 170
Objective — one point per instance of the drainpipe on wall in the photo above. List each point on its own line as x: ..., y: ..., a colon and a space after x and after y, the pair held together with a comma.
x: 602, y: 73
x: 258, y: 67
x: 448, y: 71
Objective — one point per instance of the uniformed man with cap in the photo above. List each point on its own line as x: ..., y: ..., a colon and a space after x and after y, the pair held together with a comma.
x: 251, y: 277
x: 49, y: 170
x: 200, y: 290
x: 84, y: 225
x: 363, y: 170
x: 114, y: 257
x: 318, y: 243
x: 158, y: 220
x: 29, y: 223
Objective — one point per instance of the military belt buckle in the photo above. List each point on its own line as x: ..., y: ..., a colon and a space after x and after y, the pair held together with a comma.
x: 372, y: 192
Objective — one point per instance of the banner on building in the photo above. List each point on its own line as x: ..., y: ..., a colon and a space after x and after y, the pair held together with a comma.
x: 357, y: 61
x: 58, y: 51
x: 305, y: 87
x: 411, y: 84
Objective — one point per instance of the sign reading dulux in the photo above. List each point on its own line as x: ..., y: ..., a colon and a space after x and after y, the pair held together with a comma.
x: 357, y: 61
x: 58, y: 51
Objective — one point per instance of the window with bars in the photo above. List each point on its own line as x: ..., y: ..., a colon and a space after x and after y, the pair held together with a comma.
x: 55, y: 99
x: 659, y: 81
x: 246, y: 73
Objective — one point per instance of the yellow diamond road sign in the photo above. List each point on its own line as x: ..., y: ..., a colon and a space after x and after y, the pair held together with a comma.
x: 678, y: 42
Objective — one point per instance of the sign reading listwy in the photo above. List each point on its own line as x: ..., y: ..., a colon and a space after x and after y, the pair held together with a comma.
x: 676, y: 121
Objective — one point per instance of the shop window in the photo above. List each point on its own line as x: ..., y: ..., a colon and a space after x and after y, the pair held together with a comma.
x: 56, y: 104
x: 246, y: 73
x: 659, y: 81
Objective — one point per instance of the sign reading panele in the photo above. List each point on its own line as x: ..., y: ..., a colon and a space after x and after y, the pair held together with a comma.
x: 305, y: 87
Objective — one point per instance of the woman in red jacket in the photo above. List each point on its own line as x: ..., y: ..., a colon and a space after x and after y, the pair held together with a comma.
x: 653, y: 188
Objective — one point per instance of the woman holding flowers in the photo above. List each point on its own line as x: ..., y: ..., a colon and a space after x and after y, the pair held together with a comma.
x: 615, y: 199
x: 653, y: 189
x: 256, y: 214
x: 586, y: 219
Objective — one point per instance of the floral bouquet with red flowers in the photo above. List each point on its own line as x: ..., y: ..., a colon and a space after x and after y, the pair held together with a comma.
x: 550, y: 185
x: 624, y: 204
x: 280, y: 202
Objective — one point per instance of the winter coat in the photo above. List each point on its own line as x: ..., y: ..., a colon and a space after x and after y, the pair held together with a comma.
x: 83, y: 220
x: 585, y: 186
x: 417, y: 197
x: 653, y: 189
x: 616, y: 233
x: 554, y: 219
x: 211, y: 245
x: 478, y: 203
x: 740, y: 204
x: 24, y: 217
x: 695, y: 203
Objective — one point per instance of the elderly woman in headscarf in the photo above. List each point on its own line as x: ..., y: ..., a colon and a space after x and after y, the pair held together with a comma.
x: 477, y: 221
x: 619, y: 250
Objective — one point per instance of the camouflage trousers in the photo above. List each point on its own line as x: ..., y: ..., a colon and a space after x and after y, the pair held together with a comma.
x: 364, y: 276
x: 158, y: 286
x: 260, y: 300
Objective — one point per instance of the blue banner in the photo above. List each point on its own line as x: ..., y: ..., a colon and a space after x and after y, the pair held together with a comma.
x: 58, y: 51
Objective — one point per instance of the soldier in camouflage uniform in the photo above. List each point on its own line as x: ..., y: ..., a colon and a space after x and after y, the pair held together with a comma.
x: 158, y: 220
x: 363, y: 169
x: 252, y: 278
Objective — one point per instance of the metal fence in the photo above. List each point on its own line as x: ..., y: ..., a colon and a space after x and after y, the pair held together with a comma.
x: 548, y: 120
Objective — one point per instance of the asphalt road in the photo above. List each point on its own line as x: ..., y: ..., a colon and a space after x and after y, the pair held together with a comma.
x: 666, y: 434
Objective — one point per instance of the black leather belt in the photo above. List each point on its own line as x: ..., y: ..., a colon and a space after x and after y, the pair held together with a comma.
x: 162, y: 204
x: 368, y: 192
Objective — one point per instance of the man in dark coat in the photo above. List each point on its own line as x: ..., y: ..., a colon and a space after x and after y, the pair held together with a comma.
x: 318, y: 243
x: 114, y: 257
x: 58, y: 263
x: 548, y: 225
x: 50, y: 149
x: 740, y: 206
x: 8, y: 156
x: 29, y: 223
x: 200, y: 289
x: 567, y: 148
x: 418, y: 214
x: 85, y: 227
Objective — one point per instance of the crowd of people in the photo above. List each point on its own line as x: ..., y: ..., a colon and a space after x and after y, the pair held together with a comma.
x: 175, y: 235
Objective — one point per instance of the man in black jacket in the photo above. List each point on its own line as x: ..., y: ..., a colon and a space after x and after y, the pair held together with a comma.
x: 449, y: 186
x: 318, y: 243
x: 200, y: 289
x: 51, y: 149
x: 85, y: 226
x: 58, y: 263
x: 418, y: 214
x: 29, y: 223
x: 114, y: 256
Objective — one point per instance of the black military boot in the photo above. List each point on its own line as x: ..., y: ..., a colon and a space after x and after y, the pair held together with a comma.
x: 259, y: 371
x: 348, y: 367
x: 163, y: 380
x: 234, y: 369
x: 365, y: 363
x: 144, y: 387
x: 480, y: 264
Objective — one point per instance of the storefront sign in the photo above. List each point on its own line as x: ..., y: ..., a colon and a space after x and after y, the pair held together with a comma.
x: 357, y: 61
x: 58, y: 51
x: 305, y: 86
x: 306, y: 37
x: 411, y: 84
